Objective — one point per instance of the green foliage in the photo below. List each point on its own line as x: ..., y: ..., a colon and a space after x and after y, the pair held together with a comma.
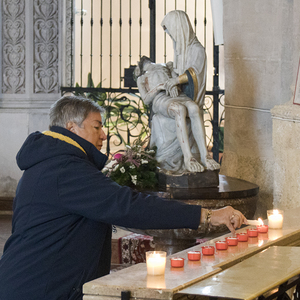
x: 96, y: 96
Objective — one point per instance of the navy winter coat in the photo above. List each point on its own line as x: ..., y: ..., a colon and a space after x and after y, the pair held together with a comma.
x: 63, y: 211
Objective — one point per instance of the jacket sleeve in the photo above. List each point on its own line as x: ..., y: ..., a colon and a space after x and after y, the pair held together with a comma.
x: 84, y: 190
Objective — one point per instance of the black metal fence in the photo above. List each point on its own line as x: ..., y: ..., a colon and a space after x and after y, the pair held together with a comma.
x: 109, y: 37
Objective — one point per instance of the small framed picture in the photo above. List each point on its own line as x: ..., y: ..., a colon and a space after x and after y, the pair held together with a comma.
x: 296, y: 99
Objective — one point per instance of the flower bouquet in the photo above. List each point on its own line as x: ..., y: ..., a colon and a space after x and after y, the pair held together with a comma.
x: 134, y: 167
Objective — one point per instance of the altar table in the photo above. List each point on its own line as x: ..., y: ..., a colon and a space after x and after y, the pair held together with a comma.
x: 253, y: 277
x: 141, y: 286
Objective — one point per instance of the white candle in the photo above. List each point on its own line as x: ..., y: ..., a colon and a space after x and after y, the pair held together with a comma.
x: 275, y: 219
x: 156, y: 262
x: 255, y: 222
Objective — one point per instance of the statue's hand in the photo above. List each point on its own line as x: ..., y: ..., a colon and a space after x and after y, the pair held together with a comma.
x: 171, y: 87
x: 174, y: 91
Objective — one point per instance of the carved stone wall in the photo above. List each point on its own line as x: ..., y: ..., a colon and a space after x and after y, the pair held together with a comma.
x: 13, y: 46
x: 45, y: 26
x: 69, y: 60
x: 35, y: 61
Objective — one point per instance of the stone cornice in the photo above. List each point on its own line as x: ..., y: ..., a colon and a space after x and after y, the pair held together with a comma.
x: 287, y: 111
x: 25, y: 103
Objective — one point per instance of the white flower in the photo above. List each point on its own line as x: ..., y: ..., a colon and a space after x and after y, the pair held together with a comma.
x: 110, y: 164
x: 122, y: 170
x: 132, y: 166
x: 116, y: 167
x: 128, y: 146
x: 134, y: 179
x: 150, y: 151
x: 144, y: 161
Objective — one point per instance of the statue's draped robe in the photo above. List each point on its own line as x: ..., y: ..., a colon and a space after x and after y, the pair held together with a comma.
x: 188, y: 53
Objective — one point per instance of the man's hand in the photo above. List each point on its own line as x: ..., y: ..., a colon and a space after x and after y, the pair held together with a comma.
x: 229, y: 216
x: 171, y: 87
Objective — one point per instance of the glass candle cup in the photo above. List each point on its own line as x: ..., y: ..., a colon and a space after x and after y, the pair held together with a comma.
x: 275, y: 218
x: 156, y: 262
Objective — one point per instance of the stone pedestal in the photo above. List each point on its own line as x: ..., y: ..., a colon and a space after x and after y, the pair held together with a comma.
x: 240, y: 194
x: 286, y: 147
x: 204, y: 179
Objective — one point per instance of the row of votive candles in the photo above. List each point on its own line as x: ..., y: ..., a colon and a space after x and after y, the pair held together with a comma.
x: 220, y: 245
x: 156, y: 260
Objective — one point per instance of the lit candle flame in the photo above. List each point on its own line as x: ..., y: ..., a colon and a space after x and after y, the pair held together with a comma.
x: 276, y: 212
x: 261, y: 222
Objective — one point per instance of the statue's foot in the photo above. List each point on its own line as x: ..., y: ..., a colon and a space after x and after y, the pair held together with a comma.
x: 211, y: 164
x: 193, y: 166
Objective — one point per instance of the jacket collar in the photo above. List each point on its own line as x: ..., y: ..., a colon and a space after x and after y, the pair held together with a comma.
x: 93, y: 154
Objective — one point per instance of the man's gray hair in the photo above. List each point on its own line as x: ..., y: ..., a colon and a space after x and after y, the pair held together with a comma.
x: 72, y: 109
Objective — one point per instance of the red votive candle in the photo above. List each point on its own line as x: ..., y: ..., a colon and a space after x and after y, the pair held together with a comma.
x: 242, y: 237
x: 262, y: 228
x: 177, y: 262
x: 252, y: 232
x: 194, y: 255
x: 208, y: 250
x: 231, y: 241
x: 221, y: 245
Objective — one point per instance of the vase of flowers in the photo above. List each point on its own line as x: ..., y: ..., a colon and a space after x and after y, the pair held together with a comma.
x: 135, y: 167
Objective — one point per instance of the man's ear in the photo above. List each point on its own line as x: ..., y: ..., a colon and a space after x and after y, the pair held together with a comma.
x: 71, y: 126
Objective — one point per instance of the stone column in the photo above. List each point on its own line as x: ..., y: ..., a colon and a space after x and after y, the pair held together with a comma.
x: 286, y: 147
x: 34, y: 63
x: 261, y: 46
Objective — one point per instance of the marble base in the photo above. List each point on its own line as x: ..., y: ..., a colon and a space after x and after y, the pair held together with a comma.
x: 204, y: 179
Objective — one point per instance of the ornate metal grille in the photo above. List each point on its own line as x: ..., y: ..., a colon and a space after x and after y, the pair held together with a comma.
x: 109, y: 37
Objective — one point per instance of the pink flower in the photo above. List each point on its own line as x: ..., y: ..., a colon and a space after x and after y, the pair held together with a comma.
x: 118, y: 156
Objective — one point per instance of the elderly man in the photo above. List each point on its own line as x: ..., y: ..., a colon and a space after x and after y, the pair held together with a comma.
x: 64, y: 208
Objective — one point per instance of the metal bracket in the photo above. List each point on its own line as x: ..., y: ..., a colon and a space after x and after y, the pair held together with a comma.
x: 125, y: 295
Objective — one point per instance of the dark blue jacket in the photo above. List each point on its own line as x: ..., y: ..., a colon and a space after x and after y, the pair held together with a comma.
x: 63, y: 211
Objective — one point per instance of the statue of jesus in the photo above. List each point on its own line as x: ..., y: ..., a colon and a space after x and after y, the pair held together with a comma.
x: 177, y: 129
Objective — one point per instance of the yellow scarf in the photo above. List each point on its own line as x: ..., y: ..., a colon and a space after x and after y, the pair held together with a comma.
x: 63, y: 138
